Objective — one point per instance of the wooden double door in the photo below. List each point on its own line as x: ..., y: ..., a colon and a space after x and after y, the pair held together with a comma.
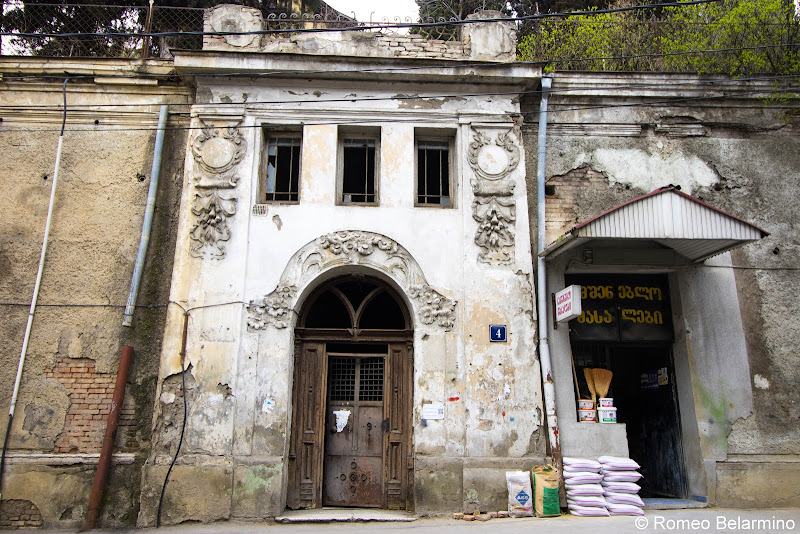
x: 351, y: 425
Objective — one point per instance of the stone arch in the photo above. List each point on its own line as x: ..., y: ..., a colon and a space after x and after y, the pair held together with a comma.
x: 351, y: 251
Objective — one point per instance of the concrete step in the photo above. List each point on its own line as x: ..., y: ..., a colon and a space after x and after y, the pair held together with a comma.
x: 320, y: 515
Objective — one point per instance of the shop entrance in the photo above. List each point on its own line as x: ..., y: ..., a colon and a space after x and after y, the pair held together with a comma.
x: 626, y: 328
x: 644, y: 393
x: 351, y: 399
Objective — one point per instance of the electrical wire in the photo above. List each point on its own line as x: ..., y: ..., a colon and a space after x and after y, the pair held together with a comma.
x: 367, y: 27
x: 95, y: 107
x: 434, y: 119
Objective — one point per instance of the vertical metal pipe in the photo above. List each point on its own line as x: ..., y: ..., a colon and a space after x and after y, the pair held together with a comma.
x: 147, y: 223
x: 104, y: 464
x: 541, y: 289
x: 35, y: 297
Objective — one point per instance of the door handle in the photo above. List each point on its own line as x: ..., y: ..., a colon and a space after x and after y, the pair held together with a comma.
x: 385, y: 425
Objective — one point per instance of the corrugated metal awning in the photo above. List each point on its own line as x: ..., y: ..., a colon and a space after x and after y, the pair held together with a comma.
x: 673, y: 219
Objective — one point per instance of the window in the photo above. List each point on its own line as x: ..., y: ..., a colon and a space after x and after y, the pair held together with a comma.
x: 434, y: 164
x: 358, y: 163
x: 280, y: 174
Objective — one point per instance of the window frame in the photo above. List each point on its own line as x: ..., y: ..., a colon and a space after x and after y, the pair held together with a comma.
x: 277, y: 132
x: 362, y: 133
x: 422, y: 135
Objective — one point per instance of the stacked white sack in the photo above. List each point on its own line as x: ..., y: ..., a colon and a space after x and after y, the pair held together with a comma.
x: 584, y: 493
x: 620, y: 488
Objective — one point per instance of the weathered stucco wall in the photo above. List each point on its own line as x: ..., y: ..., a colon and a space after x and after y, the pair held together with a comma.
x: 244, y: 301
x: 77, y: 332
x: 737, y: 149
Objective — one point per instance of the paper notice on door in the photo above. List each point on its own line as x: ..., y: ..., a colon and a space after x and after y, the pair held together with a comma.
x: 342, y: 416
x: 434, y: 410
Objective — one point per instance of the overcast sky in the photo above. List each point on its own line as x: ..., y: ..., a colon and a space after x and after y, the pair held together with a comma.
x: 376, y: 9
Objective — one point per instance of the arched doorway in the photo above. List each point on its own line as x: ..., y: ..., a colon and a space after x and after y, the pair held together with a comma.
x: 352, y: 398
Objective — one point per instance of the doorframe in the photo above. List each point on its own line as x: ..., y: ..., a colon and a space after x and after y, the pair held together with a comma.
x: 305, y: 482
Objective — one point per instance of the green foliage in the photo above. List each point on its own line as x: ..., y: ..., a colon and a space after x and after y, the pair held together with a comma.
x: 734, y: 37
x: 762, y: 31
x: 92, y: 18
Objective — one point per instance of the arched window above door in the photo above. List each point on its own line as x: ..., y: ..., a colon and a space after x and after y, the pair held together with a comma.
x: 358, y: 303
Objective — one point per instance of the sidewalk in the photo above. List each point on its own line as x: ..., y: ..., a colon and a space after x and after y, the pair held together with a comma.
x: 655, y: 521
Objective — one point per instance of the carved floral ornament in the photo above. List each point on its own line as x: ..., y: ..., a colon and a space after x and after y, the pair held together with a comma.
x: 494, y: 207
x: 211, y: 231
x: 352, y: 247
x: 216, y: 151
x: 347, y: 243
x: 274, y: 309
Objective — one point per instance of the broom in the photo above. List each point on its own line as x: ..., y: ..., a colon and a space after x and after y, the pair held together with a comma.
x: 602, y: 380
x: 590, y: 382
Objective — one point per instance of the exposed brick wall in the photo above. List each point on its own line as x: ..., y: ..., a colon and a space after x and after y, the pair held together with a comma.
x: 420, y: 47
x: 374, y: 44
x: 90, y: 396
x: 17, y: 513
x: 566, y: 192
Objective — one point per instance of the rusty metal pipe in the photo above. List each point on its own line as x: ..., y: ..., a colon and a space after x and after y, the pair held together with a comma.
x: 104, y: 464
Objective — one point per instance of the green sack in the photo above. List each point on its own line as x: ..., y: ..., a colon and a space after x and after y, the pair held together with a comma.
x: 545, y: 491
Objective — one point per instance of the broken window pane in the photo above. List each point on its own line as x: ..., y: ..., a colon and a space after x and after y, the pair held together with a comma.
x: 282, y: 169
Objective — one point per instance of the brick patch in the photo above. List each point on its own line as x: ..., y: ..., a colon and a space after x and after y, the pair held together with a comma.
x: 90, y: 396
x: 560, y: 206
x: 17, y: 513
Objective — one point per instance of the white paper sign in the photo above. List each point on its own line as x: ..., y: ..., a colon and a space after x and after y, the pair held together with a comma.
x: 434, y: 410
x: 342, y: 416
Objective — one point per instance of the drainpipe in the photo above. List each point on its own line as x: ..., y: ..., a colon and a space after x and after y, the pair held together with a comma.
x: 148, y: 218
x: 104, y: 463
x: 541, y: 286
x: 36, y: 287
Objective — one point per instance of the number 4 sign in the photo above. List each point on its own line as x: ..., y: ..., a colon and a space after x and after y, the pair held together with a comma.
x: 497, y: 333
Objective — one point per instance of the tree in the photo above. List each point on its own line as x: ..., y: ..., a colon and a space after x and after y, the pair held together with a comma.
x: 734, y: 37
x: 753, y: 36
x: 92, y: 18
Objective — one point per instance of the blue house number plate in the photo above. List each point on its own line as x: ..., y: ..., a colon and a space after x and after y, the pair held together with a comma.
x: 497, y: 333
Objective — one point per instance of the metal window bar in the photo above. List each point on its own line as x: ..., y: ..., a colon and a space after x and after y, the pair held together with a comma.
x: 433, y: 182
x: 352, y: 190
x: 342, y: 378
x: 282, y: 180
x: 370, y: 387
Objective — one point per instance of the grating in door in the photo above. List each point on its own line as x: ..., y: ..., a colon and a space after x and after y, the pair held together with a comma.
x: 371, y: 379
x: 342, y: 378
x: 355, y: 379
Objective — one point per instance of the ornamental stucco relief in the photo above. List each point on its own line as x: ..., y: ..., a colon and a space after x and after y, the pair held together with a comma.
x: 493, y: 160
x: 211, y: 231
x: 363, y: 243
x: 217, y: 151
x: 274, y: 309
x: 494, y: 207
x: 434, y: 307
x: 352, y: 247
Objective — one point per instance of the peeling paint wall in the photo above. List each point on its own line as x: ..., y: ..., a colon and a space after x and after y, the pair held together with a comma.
x: 736, y: 149
x: 244, y: 276
x: 77, y: 332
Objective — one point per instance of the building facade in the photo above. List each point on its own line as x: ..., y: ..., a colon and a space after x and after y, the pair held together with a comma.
x: 340, y: 294
x: 702, y: 372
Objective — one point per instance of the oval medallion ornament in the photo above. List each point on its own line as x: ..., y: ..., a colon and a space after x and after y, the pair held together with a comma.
x: 493, y: 161
x: 218, y: 152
